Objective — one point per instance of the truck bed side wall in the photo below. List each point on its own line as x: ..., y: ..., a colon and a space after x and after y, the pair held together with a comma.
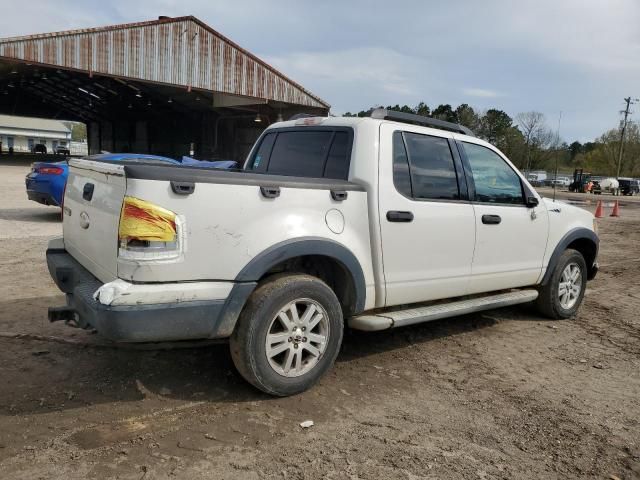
x: 227, y: 225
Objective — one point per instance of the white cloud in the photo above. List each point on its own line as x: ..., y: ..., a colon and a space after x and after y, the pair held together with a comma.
x: 595, y: 34
x: 481, y: 92
x: 372, y: 68
x: 359, y: 78
x: 51, y: 17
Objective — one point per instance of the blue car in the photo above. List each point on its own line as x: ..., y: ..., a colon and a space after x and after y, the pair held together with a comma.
x: 46, y: 181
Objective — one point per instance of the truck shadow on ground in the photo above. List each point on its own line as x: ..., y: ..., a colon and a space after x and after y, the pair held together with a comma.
x: 52, y: 376
x: 39, y: 215
x: 362, y: 344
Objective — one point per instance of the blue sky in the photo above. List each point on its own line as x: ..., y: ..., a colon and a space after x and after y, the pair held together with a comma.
x: 578, y: 56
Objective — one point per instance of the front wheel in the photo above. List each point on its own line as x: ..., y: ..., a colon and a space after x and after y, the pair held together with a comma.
x: 288, y: 334
x: 562, y: 295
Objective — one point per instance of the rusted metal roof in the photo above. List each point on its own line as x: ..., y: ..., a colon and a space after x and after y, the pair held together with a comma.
x: 180, y: 51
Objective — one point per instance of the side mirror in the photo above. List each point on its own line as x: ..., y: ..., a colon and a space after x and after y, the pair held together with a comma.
x: 532, y: 202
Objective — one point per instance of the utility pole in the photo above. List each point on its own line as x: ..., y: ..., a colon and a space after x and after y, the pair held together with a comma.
x: 555, y: 176
x: 626, y: 112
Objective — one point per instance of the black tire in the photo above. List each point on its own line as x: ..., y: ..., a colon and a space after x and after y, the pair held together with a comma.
x: 257, y: 320
x: 548, y: 301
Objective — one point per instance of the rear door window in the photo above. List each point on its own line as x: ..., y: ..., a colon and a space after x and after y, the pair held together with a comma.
x: 304, y: 153
x: 432, y: 170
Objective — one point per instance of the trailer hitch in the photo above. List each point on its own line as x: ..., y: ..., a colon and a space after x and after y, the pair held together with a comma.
x: 67, y: 314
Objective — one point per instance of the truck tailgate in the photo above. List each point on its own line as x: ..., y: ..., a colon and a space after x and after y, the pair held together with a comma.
x: 92, y: 204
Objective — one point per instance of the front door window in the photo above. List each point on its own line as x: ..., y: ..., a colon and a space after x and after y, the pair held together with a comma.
x: 494, y: 180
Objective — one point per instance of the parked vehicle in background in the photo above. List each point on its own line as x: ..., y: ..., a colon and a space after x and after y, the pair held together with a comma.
x: 629, y: 186
x: 559, y: 182
x: 46, y: 181
x: 39, y: 148
x: 279, y: 255
x: 610, y: 185
x: 596, y: 188
x: 580, y: 181
x: 537, y: 179
x: 61, y: 150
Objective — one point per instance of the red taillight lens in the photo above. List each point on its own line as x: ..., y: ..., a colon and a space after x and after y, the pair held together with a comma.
x: 143, y: 221
x: 50, y: 170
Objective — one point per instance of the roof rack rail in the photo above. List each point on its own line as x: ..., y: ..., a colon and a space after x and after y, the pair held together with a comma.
x: 384, y: 114
x: 298, y: 116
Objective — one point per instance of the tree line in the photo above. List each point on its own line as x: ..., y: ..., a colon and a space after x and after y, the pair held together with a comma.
x: 531, y: 144
x: 78, y: 131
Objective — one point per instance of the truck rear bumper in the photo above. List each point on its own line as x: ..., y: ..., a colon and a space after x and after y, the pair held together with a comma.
x: 179, y: 320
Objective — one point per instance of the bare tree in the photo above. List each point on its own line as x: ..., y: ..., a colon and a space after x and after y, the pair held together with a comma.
x: 535, y: 131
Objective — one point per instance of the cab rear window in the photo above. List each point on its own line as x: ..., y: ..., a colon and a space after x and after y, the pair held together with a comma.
x: 308, y: 152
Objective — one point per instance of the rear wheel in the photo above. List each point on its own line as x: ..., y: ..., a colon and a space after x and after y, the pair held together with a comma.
x: 288, y: 334
x: 562, y: 295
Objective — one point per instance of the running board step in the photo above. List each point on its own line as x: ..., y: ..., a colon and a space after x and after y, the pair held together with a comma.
x: 400, y: 318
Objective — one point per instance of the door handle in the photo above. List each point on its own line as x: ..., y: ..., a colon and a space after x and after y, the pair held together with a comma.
x: 491, y: 219
x: 183, y: 188
x: 398, y: 216
x: 338, y: 195
x: 270, y: 192
x: 87, y: 191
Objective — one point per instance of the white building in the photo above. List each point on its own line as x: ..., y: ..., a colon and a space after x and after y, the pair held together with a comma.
x: 23, y: 133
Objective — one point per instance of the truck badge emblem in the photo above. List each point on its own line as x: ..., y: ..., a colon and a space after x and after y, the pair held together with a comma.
x: 84, y: 220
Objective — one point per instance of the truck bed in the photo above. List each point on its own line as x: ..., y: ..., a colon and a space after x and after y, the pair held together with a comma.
x: 227, y: 217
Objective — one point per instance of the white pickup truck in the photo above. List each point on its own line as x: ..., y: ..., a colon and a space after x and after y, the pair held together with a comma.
x: 374, y: 223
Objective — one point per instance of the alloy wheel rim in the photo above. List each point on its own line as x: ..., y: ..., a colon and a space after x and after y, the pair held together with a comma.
x: 297, y: 337
x: 570, y: 286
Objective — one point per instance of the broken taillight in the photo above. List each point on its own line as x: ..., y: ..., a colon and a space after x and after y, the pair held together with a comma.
x: 147, y: 231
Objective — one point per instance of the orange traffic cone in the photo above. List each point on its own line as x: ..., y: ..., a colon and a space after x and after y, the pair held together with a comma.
x: 616, y: 210
x: 599, y: 213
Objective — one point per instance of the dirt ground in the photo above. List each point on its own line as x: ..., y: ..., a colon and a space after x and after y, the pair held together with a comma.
x: 504, y: 394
